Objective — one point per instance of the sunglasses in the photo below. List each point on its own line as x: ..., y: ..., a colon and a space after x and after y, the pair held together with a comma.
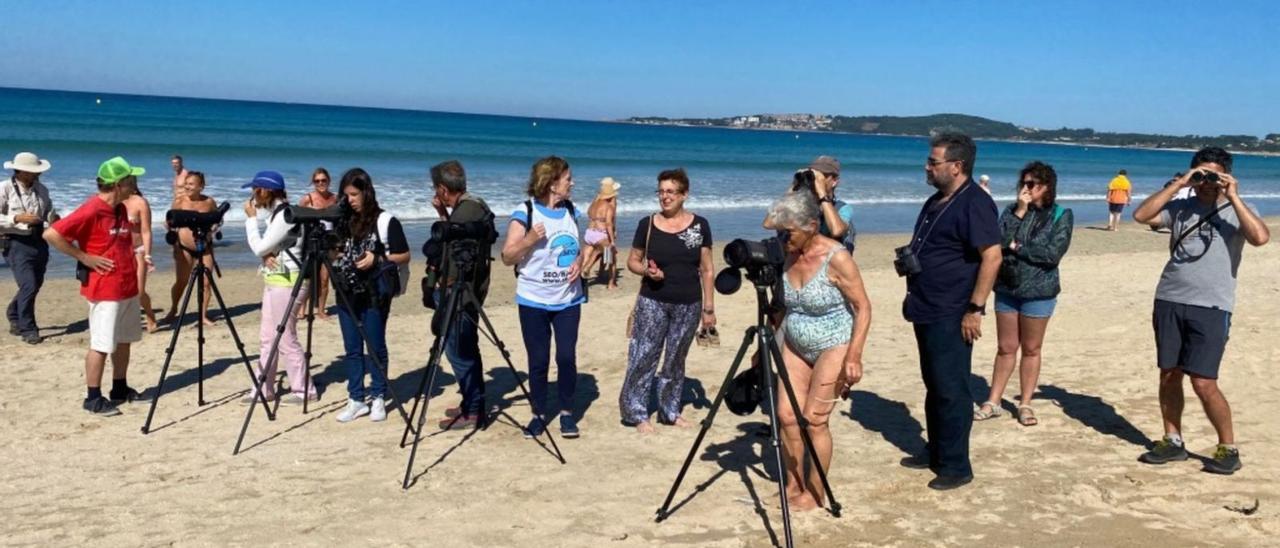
x: 318, y: 181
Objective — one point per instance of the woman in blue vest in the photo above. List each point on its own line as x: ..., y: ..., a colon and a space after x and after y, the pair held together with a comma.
x: 542, y: 242
x: 1036, y: 233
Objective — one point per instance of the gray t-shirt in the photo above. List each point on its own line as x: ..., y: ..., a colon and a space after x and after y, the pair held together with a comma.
x: 1202, y: 269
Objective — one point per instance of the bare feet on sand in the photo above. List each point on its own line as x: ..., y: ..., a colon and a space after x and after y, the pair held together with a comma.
x: 680, y: 422
x: 803, y: 502
x: 644, y: 427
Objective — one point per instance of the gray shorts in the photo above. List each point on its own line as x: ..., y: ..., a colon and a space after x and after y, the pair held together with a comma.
x: 1191, y: 338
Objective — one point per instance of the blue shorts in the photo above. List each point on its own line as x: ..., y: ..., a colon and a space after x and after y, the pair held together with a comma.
x: 1031, y: 308
x: 1115, y: 208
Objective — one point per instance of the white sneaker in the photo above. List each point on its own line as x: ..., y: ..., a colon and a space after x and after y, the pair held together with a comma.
x: 354, y: 410
x: 378, y: 411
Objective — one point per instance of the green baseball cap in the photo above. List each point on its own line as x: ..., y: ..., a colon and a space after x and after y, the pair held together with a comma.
x: 111, y: 171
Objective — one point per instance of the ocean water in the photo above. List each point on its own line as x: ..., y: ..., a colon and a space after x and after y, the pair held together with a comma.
x: 735, y: 174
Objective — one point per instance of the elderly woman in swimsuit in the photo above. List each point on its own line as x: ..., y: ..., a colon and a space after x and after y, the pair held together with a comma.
x: 601, y: 236
x: 825, y: 331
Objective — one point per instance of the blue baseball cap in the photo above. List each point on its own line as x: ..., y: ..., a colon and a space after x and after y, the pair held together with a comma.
x: 270, y: 180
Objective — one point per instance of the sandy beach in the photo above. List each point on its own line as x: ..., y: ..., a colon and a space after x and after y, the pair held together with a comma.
x: 71, y: 478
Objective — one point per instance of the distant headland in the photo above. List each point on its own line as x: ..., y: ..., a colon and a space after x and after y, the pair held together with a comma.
x: 975, y: 126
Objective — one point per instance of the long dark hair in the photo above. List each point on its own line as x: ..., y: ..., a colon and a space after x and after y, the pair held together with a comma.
x: 1044, y: 173
x: 365, y: 221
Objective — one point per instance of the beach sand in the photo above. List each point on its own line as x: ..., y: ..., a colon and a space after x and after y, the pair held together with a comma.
x: 70, y: 478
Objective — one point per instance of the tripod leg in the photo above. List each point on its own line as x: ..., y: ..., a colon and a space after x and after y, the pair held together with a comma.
x: 663, y: 511
x: 776, y: 353
x: 312, y: 300
x: 492, y: 334
x: 272, y: 356
x: 231, y: 326
x: 200, y: 273
x: 168, y: 352
x: 764, y: 338
x: 428, y: 374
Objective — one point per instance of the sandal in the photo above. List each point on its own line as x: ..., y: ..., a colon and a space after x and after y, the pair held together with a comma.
x: 1027, y: 416
x: 988, y: 410
x: 708, y: 337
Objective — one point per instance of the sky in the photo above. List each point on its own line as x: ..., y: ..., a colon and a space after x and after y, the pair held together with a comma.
x: 1176, y: 67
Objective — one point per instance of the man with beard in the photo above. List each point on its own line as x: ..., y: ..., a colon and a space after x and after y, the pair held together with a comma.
x: 957, y: 244
x: 1196, y: 295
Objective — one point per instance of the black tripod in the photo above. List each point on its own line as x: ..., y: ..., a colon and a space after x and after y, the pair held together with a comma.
x: 199, y: 274
x: 459, y: 301
x: 770, y: 362
x: 316, y: 243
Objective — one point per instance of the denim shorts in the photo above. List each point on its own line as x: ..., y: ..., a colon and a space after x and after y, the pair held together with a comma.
x: 1031, y: 308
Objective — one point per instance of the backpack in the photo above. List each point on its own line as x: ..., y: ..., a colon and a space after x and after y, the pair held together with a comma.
x: 384, y: 224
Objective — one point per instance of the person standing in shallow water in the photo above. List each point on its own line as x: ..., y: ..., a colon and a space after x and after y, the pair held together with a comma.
x: 671, y: 250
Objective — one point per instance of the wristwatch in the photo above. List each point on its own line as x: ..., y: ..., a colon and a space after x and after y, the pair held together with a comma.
x: 979, y: 309
x: 827, y: 199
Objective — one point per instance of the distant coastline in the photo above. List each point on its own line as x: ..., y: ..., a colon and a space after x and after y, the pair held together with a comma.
x: 975, y: 126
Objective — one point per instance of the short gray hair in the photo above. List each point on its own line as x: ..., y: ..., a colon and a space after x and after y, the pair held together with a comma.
x: 449, y: 175
x: 794, y: 210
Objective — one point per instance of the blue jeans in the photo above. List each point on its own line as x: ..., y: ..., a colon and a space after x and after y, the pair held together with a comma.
x: 463, y: 350
x: 536, y: 325
x: 945, y: 364
x: 28, y: 257
x: 374, y: 319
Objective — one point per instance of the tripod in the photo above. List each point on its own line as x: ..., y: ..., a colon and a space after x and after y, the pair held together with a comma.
x: 770, y: 362
x: 316, y: 240
x: 460, y: 298
x: 199, y: 275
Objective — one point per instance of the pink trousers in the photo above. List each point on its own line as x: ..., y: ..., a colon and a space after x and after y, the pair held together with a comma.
x: 274, y: 301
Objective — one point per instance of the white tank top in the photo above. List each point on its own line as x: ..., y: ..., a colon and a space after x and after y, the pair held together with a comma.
x: 544, y: 273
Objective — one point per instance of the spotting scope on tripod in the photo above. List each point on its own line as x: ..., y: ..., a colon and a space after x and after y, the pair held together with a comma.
x: 762, y: 263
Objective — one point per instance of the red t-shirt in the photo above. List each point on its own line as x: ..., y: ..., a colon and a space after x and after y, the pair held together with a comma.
x: 99, y: 229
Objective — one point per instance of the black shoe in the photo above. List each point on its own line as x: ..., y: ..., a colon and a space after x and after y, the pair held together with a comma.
x: 1164, y: 451
x: 101, y: 407
x: 947, y: 483
x: 13, y: 330
x: 32, y: 338
x: 1225, y: 461
x: 569, y: 427
x: 127, y: 395
x: 536, y: 427
x: 915, y: 462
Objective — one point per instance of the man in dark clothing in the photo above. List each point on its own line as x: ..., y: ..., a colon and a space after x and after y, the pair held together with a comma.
x: 455, y: 205
x: 25, y: 209
x: 957, y: 243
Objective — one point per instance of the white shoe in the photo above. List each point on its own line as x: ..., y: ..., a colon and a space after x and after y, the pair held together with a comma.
x: 378, y: 411
x: 354, y: 410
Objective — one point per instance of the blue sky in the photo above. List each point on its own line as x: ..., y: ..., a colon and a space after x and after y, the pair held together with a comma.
x: 1171, y: 67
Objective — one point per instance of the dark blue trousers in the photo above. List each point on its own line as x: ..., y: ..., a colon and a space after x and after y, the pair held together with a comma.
x: 28, y: 257
x: 945, y: 364
x: 537, y: 325
x: 463, y: 350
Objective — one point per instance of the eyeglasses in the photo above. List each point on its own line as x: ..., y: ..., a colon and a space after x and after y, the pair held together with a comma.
x: 1032, y: 182
x: 931, y: 162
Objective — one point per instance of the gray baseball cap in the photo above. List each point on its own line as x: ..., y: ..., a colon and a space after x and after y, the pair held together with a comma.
x: 826, y: 164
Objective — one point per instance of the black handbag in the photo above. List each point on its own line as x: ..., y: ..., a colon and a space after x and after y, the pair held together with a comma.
x: 744, y: 393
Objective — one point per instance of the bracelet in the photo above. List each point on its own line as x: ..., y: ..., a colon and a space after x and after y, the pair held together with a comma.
x: 147, y: 257
x: 708, y: 311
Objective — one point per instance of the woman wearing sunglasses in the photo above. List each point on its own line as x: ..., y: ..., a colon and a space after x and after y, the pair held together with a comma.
x: 319, y: 198
x: 1036, y: 233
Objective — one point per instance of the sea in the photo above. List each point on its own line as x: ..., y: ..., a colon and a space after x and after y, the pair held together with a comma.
x: 735, y: 174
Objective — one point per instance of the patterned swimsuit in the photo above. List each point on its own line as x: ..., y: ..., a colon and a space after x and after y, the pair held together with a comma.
x: 818, y: 317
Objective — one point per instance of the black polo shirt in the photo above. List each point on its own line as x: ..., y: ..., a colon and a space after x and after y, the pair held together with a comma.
x: 947, y: 239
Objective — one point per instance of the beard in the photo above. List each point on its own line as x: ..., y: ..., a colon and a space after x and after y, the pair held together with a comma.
x: 933, y: 181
